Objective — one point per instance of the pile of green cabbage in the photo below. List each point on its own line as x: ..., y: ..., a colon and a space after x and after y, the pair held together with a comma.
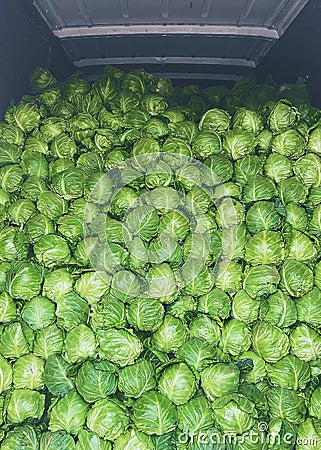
x: 160, y: 270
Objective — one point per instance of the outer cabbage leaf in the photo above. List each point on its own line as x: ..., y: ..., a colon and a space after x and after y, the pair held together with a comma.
x: 68, y: 413
x: 107, y: 419
x: 154, y: 413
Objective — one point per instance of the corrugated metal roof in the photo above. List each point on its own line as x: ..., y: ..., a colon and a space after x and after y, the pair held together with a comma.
x: 222, y: 33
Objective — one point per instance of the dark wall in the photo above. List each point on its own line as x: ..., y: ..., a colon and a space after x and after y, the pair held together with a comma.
x: 26, y: 43
x: 298, y: 53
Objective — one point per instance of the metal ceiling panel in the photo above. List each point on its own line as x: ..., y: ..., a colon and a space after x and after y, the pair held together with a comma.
x: 87, y: 13
x: 223, y: 33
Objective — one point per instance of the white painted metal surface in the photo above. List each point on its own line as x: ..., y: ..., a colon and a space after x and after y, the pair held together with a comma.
x: 165, y: 60
x: 221, y: 30
x: 220, y: 33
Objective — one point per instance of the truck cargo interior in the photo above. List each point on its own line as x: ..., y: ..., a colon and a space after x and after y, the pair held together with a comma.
x: 202, y: 41
x: 160, y: 225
